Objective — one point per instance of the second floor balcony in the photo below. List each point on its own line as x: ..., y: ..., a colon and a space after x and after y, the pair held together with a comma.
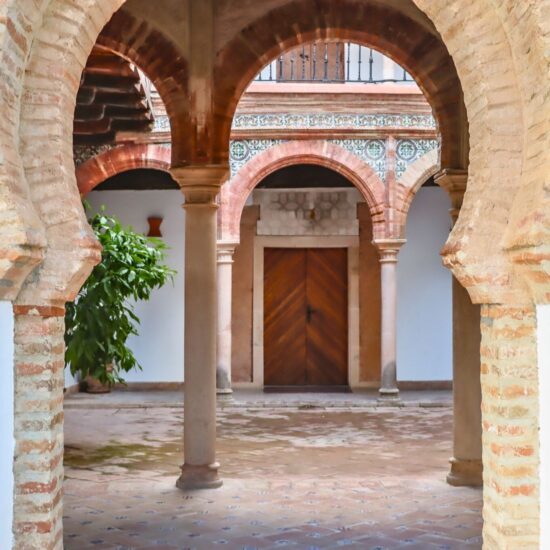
x: 334, y: 62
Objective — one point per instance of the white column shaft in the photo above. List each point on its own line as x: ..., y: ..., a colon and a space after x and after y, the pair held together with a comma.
x: 200, y: 185
x: 225, y: 289
x: 200, y: 334
x: 389, y: 329
x: 388, y: 250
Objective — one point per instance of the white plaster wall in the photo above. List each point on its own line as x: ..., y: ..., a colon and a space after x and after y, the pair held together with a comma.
x: 424, y: 292
x: 159, y: 347
x: 543, y: 355
x: 7, y: 442
x: 70, y: 380
x: 424, y: 288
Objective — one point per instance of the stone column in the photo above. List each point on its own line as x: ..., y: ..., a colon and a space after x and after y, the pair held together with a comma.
x: 200, y: 185
x: 466, y: 464
x: 225, y: 289
x: 388, y: 250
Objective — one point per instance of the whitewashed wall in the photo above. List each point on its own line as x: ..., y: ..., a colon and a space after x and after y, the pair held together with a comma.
x: 159, y: 348
x: 424, y: 287
x: 7, y: 443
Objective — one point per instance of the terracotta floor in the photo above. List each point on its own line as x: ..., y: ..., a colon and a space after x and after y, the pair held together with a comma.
x: 369, y: 479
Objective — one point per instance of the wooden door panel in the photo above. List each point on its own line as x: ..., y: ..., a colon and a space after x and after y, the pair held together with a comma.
x: 284, y: 317
x: 327, y: 327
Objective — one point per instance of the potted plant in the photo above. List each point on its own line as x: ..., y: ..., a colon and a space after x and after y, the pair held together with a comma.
x: 102, y: 317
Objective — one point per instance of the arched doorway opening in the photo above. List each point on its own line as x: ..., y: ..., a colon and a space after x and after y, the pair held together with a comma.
x: 313, y: 219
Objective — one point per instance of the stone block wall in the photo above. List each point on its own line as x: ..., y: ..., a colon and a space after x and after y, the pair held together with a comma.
x: 312, y: 212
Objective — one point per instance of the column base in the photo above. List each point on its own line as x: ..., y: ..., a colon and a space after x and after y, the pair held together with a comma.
x: 388, y: 395
x: 224, y: 394
x: 465, y: 473
x: 199, y: 477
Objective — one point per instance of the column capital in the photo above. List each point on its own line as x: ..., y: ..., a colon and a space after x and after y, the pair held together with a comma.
x: 454, y: 181
x: 389, y: 249
x: 225, y: 250
x: 200, y: 184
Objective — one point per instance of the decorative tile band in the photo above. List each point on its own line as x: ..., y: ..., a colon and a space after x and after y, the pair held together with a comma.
x: 270, y: 121
x: 371, y: 151
x: 162, y: 124
x: 410, y: 150
x: 243, y: 150
x: 82, y: 153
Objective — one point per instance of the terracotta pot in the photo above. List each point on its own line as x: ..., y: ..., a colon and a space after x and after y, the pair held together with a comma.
x: 93, y: 385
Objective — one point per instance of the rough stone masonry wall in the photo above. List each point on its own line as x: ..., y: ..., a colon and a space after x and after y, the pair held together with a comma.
x: 501, y: 52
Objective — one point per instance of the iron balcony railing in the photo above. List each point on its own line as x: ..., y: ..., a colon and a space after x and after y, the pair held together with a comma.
x: 334, y: 62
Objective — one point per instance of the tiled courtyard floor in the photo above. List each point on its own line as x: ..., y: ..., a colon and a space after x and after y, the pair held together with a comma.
x: 352, y: 478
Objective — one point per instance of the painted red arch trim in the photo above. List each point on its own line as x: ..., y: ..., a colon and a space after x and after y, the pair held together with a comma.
x: 121, y: 159
x: 322, y: 153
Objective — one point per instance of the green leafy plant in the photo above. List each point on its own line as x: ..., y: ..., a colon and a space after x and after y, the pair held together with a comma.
x: 102, y: 317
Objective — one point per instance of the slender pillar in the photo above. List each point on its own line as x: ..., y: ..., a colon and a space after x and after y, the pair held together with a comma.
x: 225, y: 288
x: 200, y: 186
x: 389, y: 250
x: 466, y: 463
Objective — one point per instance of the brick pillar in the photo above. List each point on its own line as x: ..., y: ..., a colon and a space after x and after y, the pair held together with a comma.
x: 200, y: 186
x: 510, y: 415
x: 543, y: 359
x: 38, y: 464
x: 466, y: 464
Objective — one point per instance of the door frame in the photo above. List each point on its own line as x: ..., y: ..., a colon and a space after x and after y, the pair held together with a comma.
x: 260, y: 243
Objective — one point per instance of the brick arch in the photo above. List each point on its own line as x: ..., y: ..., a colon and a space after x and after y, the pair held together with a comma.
x: 410, y: 44
x: 482, y: 55
x: 22, y: 233
x: 43, y: 53
x: 494, y: 116
x: 50, y: 85
x: 322, y: 153
x: 42, y: 62
x: 414, y: 177
x: 163, y: 63
x: 528, y: 232
x: 121, y: 159
x: 488, y: 35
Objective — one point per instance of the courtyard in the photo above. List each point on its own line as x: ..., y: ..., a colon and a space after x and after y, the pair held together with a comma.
x: 303, y: 472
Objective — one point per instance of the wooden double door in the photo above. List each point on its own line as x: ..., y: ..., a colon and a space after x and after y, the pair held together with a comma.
x: 306, y: 317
